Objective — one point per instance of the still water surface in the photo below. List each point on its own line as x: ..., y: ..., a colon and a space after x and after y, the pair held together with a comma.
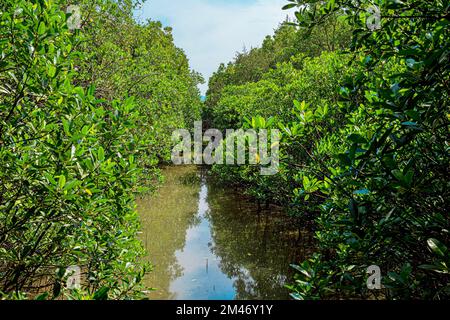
x: 210, y: 243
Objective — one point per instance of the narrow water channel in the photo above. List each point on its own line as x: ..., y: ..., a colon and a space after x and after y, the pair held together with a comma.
x: 208, y: 242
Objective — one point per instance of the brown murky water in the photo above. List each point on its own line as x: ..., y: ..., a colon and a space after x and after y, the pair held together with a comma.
x: 207, y: 242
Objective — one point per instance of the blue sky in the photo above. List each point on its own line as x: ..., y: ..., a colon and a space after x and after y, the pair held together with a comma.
x: 212, y: 31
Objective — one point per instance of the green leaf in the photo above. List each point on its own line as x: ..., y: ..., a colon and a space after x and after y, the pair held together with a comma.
x: 356, y: 138
x: 101, y: 154
x: 301, y: 270
x: 101, y: 294
x: 433, y: 267
x: 413, y: 114
x: 41, y: 28
x: 296, y: 296
x: 70, y: 185
x: 42, y: 296
x: 66, y: 126
x: 62, y: 181
x: 85, y: 130
x: 51, y: 71
x: 409, y: 177
x: 362, y: 192
x: 306, y: 182
x: 412, y: 125
x: 437, y: 247
x: 409, y: 123
x: 289, y: 6
x: 398, y: 174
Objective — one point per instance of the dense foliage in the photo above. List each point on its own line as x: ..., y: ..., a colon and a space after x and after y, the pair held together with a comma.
x: 365, y: 140
x: 359, y: 89
x: 84, y: 114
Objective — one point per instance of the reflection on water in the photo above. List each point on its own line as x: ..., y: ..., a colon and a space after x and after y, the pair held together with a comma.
x: 210, y: 243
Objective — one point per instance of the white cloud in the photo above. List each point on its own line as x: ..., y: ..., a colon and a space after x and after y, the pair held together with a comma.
x: 212, y: 31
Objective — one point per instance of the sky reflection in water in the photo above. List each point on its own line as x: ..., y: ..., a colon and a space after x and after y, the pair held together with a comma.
x: 210, y: 243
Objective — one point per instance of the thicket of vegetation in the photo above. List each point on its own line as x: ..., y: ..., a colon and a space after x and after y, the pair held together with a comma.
x: 364, y: 115
x: 85, y: 116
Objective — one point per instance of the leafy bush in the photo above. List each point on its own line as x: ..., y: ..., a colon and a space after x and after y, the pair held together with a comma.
x: 364, y: 148
x: 74, y: 143
x: 387, y: 194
